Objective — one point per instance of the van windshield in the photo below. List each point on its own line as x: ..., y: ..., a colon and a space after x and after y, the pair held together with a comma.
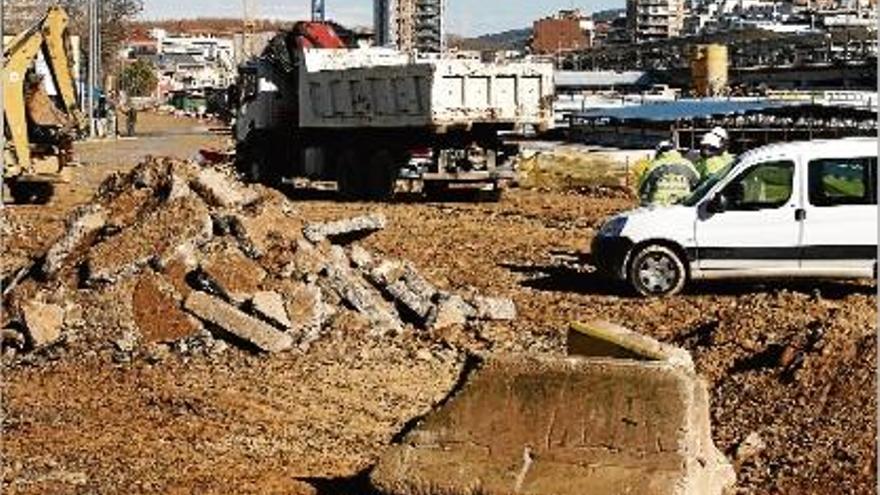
x: 704, y: 187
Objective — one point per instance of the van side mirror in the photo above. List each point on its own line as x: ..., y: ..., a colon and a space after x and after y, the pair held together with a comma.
x: 718, y: 204
x: 735, y: 192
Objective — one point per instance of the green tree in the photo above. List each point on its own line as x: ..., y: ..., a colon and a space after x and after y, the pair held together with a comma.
x: 139, y: 78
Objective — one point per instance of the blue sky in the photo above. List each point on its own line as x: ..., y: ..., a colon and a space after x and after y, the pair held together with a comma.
x: 467, y: 17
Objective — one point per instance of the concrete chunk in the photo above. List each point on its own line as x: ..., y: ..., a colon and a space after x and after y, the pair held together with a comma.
x: 362, y: 298
x: 494, y: 308
x: 159, y: 235
x: 218, y: 189
x: 450, y: 311
x: 156, y: 310
x: 362, y: 225
x: 416, y: 305
x: 603, y: 339
x: 43, y: 322
x: 306, y: 309
x: 82, y: 227
x: 231, y: 319
x: 270, y: 305
x: 553, y: 426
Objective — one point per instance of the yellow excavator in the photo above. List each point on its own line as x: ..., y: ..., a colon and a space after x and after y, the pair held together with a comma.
x: 39, y: 130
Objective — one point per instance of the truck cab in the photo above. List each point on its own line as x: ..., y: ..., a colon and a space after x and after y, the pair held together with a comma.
x: 794, y: 210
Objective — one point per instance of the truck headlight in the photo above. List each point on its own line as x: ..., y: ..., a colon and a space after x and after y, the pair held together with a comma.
x: 613, y: 227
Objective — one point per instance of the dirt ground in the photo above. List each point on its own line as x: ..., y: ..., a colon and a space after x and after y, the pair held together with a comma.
x: 793, y: 363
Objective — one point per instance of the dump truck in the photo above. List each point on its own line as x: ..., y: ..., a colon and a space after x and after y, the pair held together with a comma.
x: 316, y: 107
x: 40, y: 128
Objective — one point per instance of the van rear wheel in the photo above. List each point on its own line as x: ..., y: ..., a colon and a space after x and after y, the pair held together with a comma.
x: 657, y: 271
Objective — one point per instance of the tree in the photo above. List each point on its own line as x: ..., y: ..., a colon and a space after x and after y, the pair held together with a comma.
x: 139, y: 78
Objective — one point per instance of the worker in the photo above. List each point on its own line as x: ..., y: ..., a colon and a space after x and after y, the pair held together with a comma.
x: 713, y: 153
x: 668, y: 178
x: 131, y: 120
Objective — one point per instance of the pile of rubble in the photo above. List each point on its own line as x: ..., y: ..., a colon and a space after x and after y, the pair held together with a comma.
x: 174, y: 252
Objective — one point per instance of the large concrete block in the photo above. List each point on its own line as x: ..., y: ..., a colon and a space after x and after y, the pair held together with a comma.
x: 563, y: 426
x: 237, y: 323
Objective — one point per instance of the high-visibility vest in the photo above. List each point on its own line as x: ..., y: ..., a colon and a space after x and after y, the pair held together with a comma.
x: 670, y: 178
x: 710, y: 166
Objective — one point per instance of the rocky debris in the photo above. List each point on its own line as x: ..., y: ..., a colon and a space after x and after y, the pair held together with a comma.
x: 558, y: 426
x: 237, y: 276
x: 307, y: 311
x: 230, y: 319
x: 450, y: 311
x: 171, y: 254
x: 750, y: 447
x: 270, y: 305
x: 156, y: 307
x: 43, y: 322
x: 494, y: 308
x: 218, y: 189
x: 82, y: 227
x: 352, y: 227
x: 158, y: 236
x: 357, y: 294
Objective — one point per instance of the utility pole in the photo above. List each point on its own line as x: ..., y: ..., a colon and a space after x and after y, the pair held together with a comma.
x: 250, y: 25
x: 93, y: 65
x: 2, y: 108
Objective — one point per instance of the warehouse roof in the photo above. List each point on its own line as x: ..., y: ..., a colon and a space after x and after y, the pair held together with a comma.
x: 578, y: 79
x: 681, y: 109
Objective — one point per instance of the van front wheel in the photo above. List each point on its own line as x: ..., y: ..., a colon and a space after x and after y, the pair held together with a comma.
x: 657, y: 271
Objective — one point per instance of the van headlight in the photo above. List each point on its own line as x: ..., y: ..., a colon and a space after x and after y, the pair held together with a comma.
x: 613, y: 227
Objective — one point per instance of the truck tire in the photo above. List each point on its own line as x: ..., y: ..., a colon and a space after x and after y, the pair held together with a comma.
x: 350, y: 177
x: 656, y: 271
x: 382, y: 175
x: 256, y: 163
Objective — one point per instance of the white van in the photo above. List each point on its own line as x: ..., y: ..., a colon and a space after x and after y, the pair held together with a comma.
x: 804, y: 209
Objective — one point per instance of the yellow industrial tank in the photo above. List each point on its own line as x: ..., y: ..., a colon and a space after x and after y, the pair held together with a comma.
x: 709, y: 66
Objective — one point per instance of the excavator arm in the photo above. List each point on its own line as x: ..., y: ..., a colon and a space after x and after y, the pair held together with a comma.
x: 50, y: 37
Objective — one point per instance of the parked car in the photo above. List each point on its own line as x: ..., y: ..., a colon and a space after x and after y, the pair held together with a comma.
x: 806, y: 209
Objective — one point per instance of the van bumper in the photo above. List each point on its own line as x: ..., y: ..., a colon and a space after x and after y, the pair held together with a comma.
x: 609, y: 255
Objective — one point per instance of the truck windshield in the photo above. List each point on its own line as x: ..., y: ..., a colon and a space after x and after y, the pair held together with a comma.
x: 701, y: 190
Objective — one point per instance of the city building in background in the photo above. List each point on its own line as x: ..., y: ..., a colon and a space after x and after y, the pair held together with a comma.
x: 410, y: 25
x: 651, y: 20
x: 567, y: 31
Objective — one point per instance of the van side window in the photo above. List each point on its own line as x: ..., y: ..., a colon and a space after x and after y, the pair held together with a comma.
x: 764, y: 186
x: 843, y: 181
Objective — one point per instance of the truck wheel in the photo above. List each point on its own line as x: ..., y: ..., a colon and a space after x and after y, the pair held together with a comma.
x: 382, y: 175
x: 657, y: 271
x: 349, y: 176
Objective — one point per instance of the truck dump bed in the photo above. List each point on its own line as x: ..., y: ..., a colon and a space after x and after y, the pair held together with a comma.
x: 381, y: 88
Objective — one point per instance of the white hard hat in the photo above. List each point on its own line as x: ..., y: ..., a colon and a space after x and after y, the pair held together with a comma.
x: 711, y: 139
x: 720, y: 132
x: 665, y: 146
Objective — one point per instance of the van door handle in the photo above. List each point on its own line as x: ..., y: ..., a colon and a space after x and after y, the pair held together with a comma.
x: 800, y: 214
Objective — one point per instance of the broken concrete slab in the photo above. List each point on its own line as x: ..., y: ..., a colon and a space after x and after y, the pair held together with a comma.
x: 352, y: 227
x: 306, y: 309
x: 386, y: 273
x: 270, y: 305
x: 218, y: 189
x: 450, y: 311
x: 414, y: 304
x: 157, y: 235
x: 567, y: 426
x: 360, y: 257
x: 604, y: 339
x: 269, y: 226
x: 494, y: 308
x: 234, y: 321
x: 157, y: 313
x: 81, y: 229
x: 43, y: 322
x: 238, y: 276
x: 361, y: 297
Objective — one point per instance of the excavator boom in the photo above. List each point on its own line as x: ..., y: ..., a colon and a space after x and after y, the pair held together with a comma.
x: 48, y: 36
